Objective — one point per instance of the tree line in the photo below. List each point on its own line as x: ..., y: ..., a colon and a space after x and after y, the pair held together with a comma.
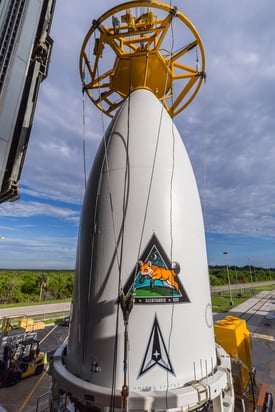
x: 17, y: 286
x: 34, y: 286
x: 246, y: 274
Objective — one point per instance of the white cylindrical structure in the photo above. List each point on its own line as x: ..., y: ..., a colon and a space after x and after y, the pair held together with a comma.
x: 142, y: 204
x: 141, y: 236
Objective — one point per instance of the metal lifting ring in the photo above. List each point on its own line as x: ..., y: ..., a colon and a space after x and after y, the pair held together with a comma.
x: 131, y: 47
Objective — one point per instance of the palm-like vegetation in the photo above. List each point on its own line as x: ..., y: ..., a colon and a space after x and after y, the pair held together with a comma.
x: 33, y: 286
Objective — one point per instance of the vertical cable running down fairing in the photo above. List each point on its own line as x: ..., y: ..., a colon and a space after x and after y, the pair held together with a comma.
x: 141, y: 334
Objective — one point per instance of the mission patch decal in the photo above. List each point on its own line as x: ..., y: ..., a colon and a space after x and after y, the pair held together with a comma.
x: 155, y: 279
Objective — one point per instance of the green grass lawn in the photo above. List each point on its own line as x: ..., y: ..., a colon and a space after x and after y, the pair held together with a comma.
x: 221, y: 301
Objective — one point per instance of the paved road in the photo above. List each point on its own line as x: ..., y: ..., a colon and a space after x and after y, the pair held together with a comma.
x: 238, y: 286
x: 36, y: 309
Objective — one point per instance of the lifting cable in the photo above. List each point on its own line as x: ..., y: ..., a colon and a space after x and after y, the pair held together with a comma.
x: 116, y: 254
x: 85, y: 186
x: 171, y: 200
x: 118, y: 238
x: 171, y: 220
x: 204, y: 202
x: 126, y: 302
x: 93, y: 228
x: 84, y: 139
x: 151, y: 180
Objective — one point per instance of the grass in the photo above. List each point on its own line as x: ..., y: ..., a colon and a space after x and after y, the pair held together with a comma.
x: 221, y: 301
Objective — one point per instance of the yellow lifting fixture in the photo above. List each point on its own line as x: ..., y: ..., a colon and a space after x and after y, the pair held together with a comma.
x: 138, y: 44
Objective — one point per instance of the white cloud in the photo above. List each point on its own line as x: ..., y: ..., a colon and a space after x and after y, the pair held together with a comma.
x: 229, y: 127
x: 27, y: 209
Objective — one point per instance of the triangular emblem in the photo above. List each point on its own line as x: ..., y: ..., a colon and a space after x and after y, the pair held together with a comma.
x: 156, y: 352
x: 155, y: 279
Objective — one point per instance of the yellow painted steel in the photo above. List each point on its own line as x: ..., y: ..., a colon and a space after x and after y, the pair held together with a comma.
x: 126, y: 49
x: 20, y: 322
x: 232, y: 334
x: 29, y: 325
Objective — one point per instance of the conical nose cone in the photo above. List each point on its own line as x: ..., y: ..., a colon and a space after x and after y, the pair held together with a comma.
x: 142, y: 233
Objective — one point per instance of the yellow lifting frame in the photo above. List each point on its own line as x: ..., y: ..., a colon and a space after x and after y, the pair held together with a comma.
x: 136, y: 45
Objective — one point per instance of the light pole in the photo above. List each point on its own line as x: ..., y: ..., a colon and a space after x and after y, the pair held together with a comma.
x: 251, y: 280
x: 236, y: 277
x: 228, y: 278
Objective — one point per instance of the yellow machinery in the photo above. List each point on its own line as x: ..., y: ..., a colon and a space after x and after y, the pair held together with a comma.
x: 20, y: 355
x: 232, y: 334
x: 20, y: 360
x: 129, y: 47
x: 9, y: 325
x: 29, y: 325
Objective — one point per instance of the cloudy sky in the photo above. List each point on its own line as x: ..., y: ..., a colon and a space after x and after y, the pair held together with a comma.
x: 229, y: 132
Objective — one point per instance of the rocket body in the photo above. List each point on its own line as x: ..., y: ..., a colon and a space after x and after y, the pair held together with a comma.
x: 142, y: 235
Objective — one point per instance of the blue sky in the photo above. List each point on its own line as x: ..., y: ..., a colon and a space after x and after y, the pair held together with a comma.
x: 228, y: 131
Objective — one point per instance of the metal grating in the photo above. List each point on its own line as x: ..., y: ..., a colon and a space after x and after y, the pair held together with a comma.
x: 8, y: 36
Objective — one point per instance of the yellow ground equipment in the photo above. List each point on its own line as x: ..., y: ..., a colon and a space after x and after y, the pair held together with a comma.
x: 29, y: 325
x: 232, y: 334
x: 16, y: 328
x: 20, y: 360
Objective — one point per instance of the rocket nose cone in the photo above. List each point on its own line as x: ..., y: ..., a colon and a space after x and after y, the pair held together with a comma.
x: 142, y: 204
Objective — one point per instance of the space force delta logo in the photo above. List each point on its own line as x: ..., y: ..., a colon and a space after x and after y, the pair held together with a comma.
x: 155, y: 279
x: 156, y: 353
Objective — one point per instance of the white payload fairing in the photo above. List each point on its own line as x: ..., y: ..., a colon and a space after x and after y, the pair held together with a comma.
x: 141, y: 334
x: 140, y: 217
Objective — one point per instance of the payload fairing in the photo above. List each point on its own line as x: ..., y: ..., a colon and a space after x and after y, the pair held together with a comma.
x: 141, y: 331
x: 141, y: 334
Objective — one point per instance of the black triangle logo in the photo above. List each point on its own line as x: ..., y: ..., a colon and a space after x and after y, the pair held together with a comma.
x: 156, y: 352
x: 155, y: 279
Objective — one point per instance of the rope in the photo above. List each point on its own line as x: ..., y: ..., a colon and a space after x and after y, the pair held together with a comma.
x: 116, y: 241
x: 84, y: 139
x: 83, y: 76
x: 171, y: 223
x: 151, y: 180
x: 85, y: 185
x: 116, y: 238
x: 126, y: 303
x: 204, y: 152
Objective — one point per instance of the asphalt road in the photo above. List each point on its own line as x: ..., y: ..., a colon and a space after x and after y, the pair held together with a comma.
x: 36, y: 310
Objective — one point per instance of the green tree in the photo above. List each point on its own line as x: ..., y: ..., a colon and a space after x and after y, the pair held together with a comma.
x: 42, y: 281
